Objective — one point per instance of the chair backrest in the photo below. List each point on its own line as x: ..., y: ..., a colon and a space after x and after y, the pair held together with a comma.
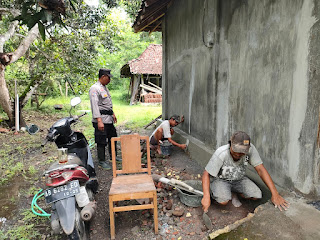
x: 131, y: 154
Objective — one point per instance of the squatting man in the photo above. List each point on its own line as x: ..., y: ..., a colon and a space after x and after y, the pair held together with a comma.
x: 224, y: 175
x: 164, y: 132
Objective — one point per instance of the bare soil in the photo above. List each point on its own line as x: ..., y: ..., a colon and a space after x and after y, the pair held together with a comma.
x: 139, y: 224
x: 133, y: 224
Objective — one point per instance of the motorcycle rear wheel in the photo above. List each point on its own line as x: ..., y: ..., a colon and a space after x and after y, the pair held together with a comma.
x: 81, y: 229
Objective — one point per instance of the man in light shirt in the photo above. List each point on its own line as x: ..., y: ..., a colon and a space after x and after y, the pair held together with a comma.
x: 164, y: 132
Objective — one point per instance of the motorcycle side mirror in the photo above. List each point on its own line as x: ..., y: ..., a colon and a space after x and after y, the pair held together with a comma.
x: 75, y: 101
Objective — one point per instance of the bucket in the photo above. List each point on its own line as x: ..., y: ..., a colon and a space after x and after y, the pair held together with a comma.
x: 166, y: 148
x: 190, y: 199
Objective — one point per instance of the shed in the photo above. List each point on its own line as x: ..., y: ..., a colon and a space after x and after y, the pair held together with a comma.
x: 145, y: 73
x: 249, y: 65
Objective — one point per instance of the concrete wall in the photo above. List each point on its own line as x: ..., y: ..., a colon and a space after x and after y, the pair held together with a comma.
x: 248, y: 65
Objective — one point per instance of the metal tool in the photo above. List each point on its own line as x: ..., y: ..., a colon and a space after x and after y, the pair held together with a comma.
x: 207, y: 220
x: 176, y: 183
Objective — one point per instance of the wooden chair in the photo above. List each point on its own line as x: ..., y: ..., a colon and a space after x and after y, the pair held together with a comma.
x: 135, y: 183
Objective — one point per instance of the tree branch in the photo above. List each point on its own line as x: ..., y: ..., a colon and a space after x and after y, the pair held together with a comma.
x: 5, y: 37
x: 14, y: 12
x: 25, y: 44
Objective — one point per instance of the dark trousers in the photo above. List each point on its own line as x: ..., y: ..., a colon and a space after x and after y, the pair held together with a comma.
x: 103, y: 138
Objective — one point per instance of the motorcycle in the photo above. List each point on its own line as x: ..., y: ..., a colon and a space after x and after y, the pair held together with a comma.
x: 72, y: 180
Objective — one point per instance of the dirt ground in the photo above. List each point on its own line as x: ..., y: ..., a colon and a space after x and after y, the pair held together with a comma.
x: 176, y: 220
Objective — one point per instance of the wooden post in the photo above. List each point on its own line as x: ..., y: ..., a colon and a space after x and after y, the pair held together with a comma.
x: 136, y: 84
x: 16, y: 107
x: 66, y: 88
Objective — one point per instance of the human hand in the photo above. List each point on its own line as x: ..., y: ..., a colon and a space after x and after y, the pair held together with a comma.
x: 101, y: 126
x: 115, y: 118
x: 183, y: 146
x: 206, y: 203
x: 182, y: 118
x: 280, y: 202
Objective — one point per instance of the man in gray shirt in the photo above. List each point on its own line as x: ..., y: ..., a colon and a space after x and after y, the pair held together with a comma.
x: 226, y: 169
x: 103, y: 116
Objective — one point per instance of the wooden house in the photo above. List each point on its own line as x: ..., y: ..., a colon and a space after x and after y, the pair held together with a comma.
x: 145, y: 73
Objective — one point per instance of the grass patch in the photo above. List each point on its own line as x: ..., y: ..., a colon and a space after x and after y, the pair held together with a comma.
x: 27, y: 230
x: 132, y: 117
x: 129, y: 117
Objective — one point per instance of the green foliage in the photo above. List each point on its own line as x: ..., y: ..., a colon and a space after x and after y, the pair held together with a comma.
x: 32, y: 170
x: 127, y: 45
x: 132, y: 7
x: 92, y: 38
x: 25, y: 231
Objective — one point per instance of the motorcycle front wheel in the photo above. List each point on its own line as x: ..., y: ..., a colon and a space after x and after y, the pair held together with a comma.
x: 81, y: 229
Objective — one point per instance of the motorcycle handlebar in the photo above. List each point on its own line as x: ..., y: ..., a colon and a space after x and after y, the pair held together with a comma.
x: 82, y: 115
x: 75, y: 118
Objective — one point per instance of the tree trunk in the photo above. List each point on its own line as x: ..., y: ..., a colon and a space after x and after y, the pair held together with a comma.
x: 60, y: 88
x: 20, y: 51
x: 4, y: 96
x: 66, y: 89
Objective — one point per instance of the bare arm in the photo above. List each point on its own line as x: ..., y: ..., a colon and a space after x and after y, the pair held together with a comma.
x: 183, y: 146
x: 206, y: 191
x: 277, y: 200
x: 114, y: 118
x: 100, y: 124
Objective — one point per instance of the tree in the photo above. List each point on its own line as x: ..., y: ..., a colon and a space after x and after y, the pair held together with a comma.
x: 41, y: 17
x: 10, y: 57
x: 131, y: 6
x: 127, y: 45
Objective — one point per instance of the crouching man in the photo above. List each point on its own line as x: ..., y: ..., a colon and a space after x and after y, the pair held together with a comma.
x: 164, y: 132
x: 227, y: 168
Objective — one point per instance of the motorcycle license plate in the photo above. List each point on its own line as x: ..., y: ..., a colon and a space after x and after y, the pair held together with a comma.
x: 57, y: 193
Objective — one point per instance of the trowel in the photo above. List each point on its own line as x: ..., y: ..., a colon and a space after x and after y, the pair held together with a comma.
x: 207, y: 220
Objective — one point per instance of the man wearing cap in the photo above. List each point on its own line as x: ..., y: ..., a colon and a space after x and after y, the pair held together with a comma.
x: 103, y: 116
x: 164, y: 132
x: 224, y: 175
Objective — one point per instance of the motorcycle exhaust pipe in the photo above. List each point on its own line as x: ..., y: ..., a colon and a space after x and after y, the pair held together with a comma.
x: 88, y: 211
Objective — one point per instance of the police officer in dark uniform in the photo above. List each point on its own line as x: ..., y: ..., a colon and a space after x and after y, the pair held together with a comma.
x: 103, y: 116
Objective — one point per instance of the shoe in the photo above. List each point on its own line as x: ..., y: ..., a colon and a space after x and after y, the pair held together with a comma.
x: 105, y: 165
x: 118, y: 159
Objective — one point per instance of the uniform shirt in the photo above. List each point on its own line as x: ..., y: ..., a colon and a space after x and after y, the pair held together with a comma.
x: 165, y: 125
x: 223, y: 166
x: 100, y: 99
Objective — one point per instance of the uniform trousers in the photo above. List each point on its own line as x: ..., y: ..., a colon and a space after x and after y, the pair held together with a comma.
x: 103, y: 138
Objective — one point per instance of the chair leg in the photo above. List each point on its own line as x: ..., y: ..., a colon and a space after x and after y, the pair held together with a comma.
x: 112, y: 227
x: 155, y: 213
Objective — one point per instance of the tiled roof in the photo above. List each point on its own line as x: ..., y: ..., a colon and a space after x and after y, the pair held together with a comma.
x: 149, y: 62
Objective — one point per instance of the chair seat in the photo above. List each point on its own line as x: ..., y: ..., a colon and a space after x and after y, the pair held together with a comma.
x: 136, y: 183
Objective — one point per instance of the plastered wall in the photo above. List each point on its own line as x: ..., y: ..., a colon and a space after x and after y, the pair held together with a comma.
x: 248, y: 65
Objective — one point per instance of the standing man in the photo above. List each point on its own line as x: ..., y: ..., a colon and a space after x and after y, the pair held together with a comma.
x: 103, y: 116
x: 227, y: 169
x: 164, y: 132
